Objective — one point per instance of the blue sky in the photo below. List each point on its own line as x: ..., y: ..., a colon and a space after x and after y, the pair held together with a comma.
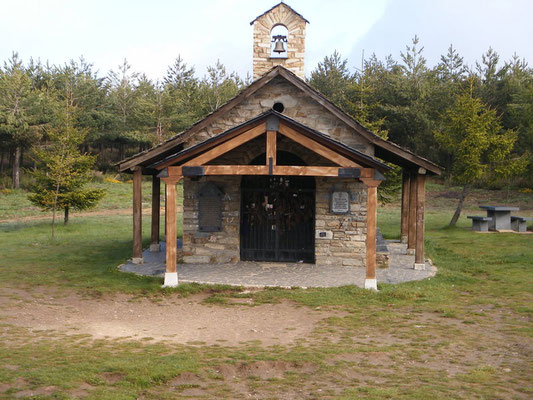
x: 151, y: 34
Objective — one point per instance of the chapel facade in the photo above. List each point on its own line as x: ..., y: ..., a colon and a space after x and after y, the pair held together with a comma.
x: 277, y: 174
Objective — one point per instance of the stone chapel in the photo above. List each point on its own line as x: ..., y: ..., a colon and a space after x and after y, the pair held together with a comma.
x: 278, y: 173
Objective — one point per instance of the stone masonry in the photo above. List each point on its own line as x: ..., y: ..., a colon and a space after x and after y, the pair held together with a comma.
x: 298, y: 106
x: 212, y: 247
x: 345, y: 234
x: 263, y: 25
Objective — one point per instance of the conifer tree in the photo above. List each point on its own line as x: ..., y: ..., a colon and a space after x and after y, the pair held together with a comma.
x: 19, y: 111
x: 60, y: 180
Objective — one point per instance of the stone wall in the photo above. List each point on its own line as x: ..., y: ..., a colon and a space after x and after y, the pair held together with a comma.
x: 298, y: 106
x: 212, y: 247
x: 295, y: 61
x: 344, y: 236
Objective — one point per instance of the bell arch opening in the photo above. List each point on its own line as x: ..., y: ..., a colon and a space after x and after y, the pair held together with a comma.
x: 279, y: 36
x: 278, y: 215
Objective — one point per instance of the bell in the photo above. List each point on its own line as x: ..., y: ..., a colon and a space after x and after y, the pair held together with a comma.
x: 278, y: 47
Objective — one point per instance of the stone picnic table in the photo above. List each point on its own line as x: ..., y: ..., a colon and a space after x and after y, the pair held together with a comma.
x: 500, y: 217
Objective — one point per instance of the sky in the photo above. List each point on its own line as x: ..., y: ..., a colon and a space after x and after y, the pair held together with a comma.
x: 150, y: 34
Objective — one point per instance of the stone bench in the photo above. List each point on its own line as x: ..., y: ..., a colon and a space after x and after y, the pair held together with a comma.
x: 480, y: 224
x: 519, y: 224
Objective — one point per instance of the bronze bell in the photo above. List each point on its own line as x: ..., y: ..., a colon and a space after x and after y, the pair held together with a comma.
x: 278, y: 47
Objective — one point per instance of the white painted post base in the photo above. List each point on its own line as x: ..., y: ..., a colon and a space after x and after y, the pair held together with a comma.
x: 171, y: 279
x: 137, y: 260
x: 155, y: 248
x: 419, y: 266
x: 371, y: 284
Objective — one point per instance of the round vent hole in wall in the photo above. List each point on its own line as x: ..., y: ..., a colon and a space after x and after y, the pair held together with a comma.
x: 279, y: 107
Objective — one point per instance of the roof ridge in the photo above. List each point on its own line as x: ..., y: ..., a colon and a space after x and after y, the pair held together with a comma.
x: 277, y: 5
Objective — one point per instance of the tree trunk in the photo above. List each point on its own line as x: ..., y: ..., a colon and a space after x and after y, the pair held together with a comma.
x: 455, y: 217
x: 2, y: 163
x: 16, y: 168
x: 66, y: 215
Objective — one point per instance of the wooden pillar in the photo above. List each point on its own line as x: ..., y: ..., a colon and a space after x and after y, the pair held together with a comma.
x: 371, y: 227
x: 405, y: 206
x: 271, y: 147
x: 411, y: 222
x: 137, y: 216
x: 420, y: 262
x: 171, y: 274
x: 156, y: 207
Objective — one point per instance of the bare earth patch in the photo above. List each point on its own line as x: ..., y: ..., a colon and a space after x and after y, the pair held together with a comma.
x: 173, y: 319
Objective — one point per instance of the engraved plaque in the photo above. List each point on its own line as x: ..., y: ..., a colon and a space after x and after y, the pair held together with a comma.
x: 210, y: 208
x: 340, y: 202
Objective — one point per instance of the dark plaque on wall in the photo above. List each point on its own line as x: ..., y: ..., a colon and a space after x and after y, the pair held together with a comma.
x: 340, y: 202
x: 210, y: 208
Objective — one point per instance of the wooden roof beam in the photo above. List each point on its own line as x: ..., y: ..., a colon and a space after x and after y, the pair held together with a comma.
x: 316, y: 147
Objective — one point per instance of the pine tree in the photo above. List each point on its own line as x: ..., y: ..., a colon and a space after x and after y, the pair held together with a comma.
x: 19, y: 111
x: 64, y: 172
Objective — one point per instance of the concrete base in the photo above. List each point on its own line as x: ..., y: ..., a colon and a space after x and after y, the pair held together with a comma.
x: 410, y: 252
x: 371, y: 284
x: 171, y: 279
x: 155, y: 248
x: 419, y: 266
x: 137, y: 260
x: 403, y: 239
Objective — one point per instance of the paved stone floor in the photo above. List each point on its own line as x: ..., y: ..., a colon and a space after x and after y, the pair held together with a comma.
x: 259, y: 274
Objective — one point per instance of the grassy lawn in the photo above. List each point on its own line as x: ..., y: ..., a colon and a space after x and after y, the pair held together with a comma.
x: 465, y: 333
x: 15, y: 203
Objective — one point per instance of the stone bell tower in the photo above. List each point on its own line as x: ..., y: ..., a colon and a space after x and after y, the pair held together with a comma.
x: 279, y: 39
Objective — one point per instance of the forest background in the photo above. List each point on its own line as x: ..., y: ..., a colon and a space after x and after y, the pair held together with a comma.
x: 124, y: 112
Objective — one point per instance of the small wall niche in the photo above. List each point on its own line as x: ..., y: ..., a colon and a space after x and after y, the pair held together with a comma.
x: 210, y: 208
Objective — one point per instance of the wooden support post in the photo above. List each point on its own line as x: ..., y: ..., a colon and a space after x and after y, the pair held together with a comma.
x: 420, y: 262
x: 156, y: 210
x: 405, y: 206
x: 137, y: 217
x: 371, y: 227
x: 271, y: 150
x: 411, y: 223
x: 171, y: 273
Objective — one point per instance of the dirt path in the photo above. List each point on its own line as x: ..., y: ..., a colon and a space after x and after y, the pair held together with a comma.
x: 174, y: 319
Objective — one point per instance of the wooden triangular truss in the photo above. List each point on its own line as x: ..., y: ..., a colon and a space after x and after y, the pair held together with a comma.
x: 194, y: 161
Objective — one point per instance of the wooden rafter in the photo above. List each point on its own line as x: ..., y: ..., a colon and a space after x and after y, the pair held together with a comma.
x: 216, y: 142
x: 316, y: 147
x: 227, y: 146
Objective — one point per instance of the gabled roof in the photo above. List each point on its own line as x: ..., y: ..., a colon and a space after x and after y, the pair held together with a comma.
x: 277, y: 5
x: 383, y: 149
x: 335, y: 145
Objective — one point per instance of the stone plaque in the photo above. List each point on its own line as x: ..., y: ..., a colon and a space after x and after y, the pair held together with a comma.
x: 340, y: 202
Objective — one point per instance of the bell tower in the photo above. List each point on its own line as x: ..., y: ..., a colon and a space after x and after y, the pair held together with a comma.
x: 279, y: 39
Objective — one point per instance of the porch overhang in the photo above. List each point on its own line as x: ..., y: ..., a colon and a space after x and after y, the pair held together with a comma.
x: 195, y: 161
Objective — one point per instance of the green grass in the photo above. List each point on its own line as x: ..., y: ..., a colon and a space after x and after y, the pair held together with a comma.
x: 14, y: 203
x: 465, y: 333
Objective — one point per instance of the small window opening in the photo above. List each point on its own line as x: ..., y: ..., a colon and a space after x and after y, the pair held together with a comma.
x: 278, y: 38
x: 279, y: 107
